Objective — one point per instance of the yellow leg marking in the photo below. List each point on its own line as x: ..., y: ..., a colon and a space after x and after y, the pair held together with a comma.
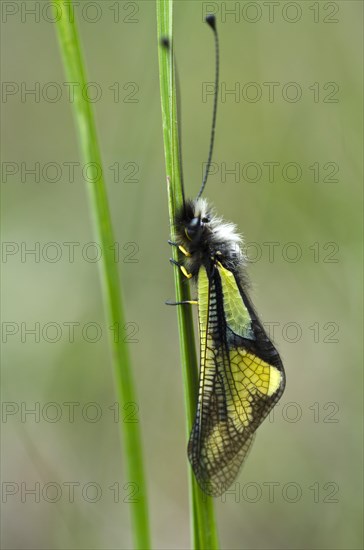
x: 184, y: 251
x: 192, y: 302
x: 185, y: 272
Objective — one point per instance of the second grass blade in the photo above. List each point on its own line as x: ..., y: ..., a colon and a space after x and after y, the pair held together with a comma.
x: 85, y: 125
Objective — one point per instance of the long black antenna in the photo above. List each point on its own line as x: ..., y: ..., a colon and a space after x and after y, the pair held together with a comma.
x: 211, y: 21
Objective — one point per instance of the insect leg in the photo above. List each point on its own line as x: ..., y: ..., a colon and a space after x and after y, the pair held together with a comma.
x: 184, y: 302
x: 182, y: 268
x: 180, y: 247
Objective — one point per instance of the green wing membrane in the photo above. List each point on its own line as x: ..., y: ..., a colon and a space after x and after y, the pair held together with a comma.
x: 241, y: 379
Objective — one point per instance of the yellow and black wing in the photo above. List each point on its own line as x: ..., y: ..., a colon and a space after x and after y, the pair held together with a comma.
x: 241, y: 379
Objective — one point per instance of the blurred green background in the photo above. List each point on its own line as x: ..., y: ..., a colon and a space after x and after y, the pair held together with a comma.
x: 301, y: 486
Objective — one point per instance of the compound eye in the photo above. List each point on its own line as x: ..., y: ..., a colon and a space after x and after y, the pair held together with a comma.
x: 194, y: 224
x: 193, y: 228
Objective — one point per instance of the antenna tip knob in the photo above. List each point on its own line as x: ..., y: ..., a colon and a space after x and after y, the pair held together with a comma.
x: 211, y: 21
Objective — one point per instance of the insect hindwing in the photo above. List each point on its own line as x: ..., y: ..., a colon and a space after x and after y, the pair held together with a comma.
x: 241, y: 378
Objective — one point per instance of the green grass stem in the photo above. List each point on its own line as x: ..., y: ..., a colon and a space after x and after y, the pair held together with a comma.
x: 203, y: 524
x: 86, y: 130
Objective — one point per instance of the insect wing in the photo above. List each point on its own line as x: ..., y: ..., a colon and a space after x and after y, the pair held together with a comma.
x: 241, y: 379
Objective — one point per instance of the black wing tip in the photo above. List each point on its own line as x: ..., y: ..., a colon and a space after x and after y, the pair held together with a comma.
x: 211, y: 21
